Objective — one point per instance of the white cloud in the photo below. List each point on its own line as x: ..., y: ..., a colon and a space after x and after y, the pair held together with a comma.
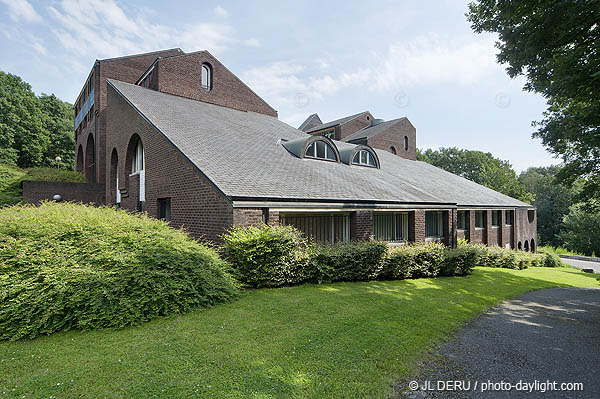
x: 39, y: 47
x: 101, y: 28
x: 426, y: 60
x: 21, y: 10
x: 221, y: 12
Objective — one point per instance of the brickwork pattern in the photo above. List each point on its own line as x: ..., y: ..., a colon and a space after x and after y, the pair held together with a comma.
x: 36, y: 191
x: 394, y: 136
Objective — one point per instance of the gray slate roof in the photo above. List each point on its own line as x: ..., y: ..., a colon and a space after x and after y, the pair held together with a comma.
x: 308, y: 120
x: 371, y: 131
x: 335, y: 122
x: 241, y: 153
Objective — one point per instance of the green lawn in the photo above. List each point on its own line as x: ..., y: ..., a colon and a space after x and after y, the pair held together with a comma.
x: 346, y: 340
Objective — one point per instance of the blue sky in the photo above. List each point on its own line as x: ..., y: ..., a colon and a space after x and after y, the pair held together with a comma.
x: 417, y: 59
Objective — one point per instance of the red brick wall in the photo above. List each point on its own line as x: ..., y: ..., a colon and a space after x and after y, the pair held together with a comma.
x: 354, y: 125
x: 526, y: 230
x: 181, y: 76
x: 126, y: 69
x: 196, y: 204
x: 394, y: 136
x: 361, y: 225
x: 37, y: 191
x: 247, y: 216
x: 416, y: 219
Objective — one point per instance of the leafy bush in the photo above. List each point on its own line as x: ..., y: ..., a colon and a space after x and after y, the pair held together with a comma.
x: 351, y: 261
x: 67, y: 266
x: 414, y: 261
x: 54, y: 174
x: 267, y: 256
x: 551, y: 260
x: 459, y: 261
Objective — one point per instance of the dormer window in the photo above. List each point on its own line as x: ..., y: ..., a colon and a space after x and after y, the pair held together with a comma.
x: 320, y: 150
x: 206, y: 77
x: 364, y: 158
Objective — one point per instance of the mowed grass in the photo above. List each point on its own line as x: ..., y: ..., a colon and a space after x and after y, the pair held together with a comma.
x: 345, y: 340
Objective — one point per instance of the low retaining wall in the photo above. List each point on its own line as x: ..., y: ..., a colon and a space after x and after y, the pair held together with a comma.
x: 37, y: 191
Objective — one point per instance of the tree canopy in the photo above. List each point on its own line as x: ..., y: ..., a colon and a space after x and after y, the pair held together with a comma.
x: 480, y: 167
x: 556, y: 45
x: 552, y: 201
x: 33, y: 130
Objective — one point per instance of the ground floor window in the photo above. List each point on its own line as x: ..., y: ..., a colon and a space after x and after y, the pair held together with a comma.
x: 461, y: 220
x: 390, y: 226
x: 434, y: 224
x: 509, y: 217
x: 164, y: 209
x: 330, y: 228
x: 495, y: 218
x: 480, y: 219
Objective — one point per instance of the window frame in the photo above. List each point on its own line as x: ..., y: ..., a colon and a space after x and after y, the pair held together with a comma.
x: 482, y: 219
x: 138, y: 161
x: 509, y: 215
x: 167, y: 203
x: 208, y: 86
x: 439, y: 215
x: 369, y: 156
x: 462, y: 226
x: 315, y: 151
x: 398, y: 224
x: 496, y: 216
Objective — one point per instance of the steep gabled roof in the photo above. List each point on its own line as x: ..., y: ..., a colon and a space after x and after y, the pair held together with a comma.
x: 313, y: 118
x: 371, y: 131
x: 336, y: 122
x: 242, y: 154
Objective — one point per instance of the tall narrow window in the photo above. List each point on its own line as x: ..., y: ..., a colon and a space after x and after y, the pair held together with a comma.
x: 206, y: 77
x: 495, y: 218
x: 164, y: 209
x: 405, y: 143
x: 509, y: 218
x: 461, y: 221
x: 480, y: 217
x: 393, y: 150
x: 137, y: 164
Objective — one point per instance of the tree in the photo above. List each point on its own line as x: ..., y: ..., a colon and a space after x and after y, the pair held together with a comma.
x: 582, y: 231
x: 555, y: 45
x: 480, y: 167
x: 58, y: 121
x: 33, y: 131
x: 552, y: 201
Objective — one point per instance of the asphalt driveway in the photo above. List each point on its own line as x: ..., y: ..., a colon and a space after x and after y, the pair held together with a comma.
x: 583, y: 264
x: 545, y: 336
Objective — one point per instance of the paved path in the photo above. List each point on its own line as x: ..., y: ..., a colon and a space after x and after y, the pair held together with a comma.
x: 545, y: 335
x: 583, y: 264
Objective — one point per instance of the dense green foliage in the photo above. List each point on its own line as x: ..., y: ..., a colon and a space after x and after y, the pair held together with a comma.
x: 552, y: 201
x: 12, y: 176
x: 582, y: 231
x: 33, y: 130
x: 352, y: 261
x: 65, y: 266
x: 273, y: 256
x: 267, y: 256
x: 554, y: 44
x: 480, y: 167
x: 511, y: 259
x: 342, y: 340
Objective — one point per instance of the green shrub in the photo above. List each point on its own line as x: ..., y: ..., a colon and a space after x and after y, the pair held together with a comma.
x: 267, y: 256
x: 351, y: 261
x: 67, y: 266
x: 551, y: 260
x: 54, y: 174
x: 414, y: 261
x: 459, y: 261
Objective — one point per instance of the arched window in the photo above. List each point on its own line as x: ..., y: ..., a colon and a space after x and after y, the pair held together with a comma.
x: 532, y: 246
x: 393, y: 150
x: 520, y: 246
x: 137, y: 162
x: 365, y: 158
x: 405, y: 143
x: 320, y: 150
x: 114, y: 175
x: 526, y: 246
x: 206, y: 77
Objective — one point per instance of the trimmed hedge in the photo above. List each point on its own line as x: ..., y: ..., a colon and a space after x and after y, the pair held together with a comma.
x: 267, y: 256
x: 66, y: 266
x: 511, y: 259
x: 352, y: 261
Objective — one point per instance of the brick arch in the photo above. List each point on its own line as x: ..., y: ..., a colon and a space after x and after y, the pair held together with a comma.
x: 90, y: 159
x: 526, y: 246
x: 79, y: 161
x: 520, y: 246
x: 532, y: 245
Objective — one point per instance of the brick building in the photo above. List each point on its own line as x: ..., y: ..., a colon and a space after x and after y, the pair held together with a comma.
x: 182, y: 138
